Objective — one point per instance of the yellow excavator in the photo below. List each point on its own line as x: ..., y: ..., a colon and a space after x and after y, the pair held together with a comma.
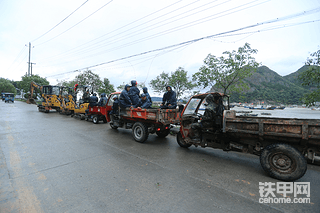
x: 51, y: 98
x: 83, y: 103
x: 67, y: 100
x: 32, y: 87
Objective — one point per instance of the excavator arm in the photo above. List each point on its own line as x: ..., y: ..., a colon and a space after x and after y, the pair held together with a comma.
x: 32, y: 87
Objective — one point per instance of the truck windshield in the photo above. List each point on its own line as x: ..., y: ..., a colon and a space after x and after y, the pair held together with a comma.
x: 192, y: 106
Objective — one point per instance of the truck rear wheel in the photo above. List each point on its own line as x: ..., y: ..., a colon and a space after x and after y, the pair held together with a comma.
x: 95, y: 119
x: 113, y: 126
x: 181, y: 141
x: 163, y: 134
x: 140, y: 132
x: 283, y: 162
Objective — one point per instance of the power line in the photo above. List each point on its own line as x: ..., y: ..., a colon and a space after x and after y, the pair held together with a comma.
x: 76, y: 23
x: 202, y: 38
x: 166, y: 31
x: 121, y: 28
x: 202, y: 20
x: 60, y: 21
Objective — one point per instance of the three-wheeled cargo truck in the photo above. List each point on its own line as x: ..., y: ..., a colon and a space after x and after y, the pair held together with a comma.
x: 283, y: 144
x: 142, y: 121
x: 9, y: 97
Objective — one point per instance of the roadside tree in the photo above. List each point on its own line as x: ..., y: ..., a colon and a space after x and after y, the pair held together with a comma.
x: 7, y: 86
x: 178, y: 79
x: 227, y: 72
x: 89, y: 78
x: 107, y: 87
x: 311, y: 77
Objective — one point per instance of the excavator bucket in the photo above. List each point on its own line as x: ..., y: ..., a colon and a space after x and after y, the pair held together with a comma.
x: 31, y: 101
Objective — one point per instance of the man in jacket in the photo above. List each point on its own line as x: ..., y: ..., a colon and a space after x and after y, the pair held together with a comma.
x: 103, y: 100
x: 134, y: 93
x: 145, y: 91
x: 125, y: 100
x: 143, y: 103
x: 169, y: 100
x: 93, y: 100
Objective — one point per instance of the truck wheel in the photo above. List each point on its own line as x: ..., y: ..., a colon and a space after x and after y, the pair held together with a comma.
x: 113, y: 126
x: 163, y: 134
x: 140, y: 132
x: 181, y: 141
x: 283, y: 162
x: 104, y: 120
x: 95, y: 119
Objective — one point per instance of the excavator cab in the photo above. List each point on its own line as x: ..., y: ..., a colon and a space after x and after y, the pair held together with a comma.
x: 67, y: 100
x: 51, y: 98
x: 83, y: 92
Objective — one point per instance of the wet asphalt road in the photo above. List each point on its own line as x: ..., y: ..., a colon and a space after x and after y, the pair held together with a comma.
x: 54, y: 163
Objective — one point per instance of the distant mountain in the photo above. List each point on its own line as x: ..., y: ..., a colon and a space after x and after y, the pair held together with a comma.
x: 268, y: 86
x: 156, y: 99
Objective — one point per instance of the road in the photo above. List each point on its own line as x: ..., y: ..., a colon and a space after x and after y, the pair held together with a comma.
x: 54, y: 163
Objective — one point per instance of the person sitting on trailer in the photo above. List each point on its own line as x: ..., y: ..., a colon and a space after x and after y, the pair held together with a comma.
x: 169, y: 100
x: 134, y: 92
x: 93, y: 100
x: 125, y: 100
x: 103, y: 100
x: 143, y: 103
x: 145, y: 91
x: 115, y: 106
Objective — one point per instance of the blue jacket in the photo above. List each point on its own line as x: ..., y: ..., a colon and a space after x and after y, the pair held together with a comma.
x: 103, y: 100
x: 125, y: 100
x: 134, y: 92
x: 93, y: 100
x: 145, y: 90
x: 146, y: 104
x: 170, y: 98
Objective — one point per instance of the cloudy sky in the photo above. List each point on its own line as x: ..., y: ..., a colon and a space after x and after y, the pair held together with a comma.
x: 124, y: 39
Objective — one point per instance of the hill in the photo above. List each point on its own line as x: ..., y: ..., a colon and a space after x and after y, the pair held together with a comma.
x: 265, y: 85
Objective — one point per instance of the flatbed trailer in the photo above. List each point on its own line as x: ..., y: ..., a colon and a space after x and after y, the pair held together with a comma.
x: 283, y: 144
x: 142, y: 121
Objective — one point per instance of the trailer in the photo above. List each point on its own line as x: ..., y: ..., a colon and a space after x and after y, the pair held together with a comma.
x: 283, y: 144
x: 142, y: 121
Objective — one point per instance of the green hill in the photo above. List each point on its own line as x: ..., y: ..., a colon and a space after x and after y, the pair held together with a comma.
x: 268, y: 86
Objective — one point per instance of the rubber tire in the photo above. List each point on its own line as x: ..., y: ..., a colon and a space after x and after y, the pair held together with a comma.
x: 86, y: 118
x: 95, y: 119
x: 112, y: 126
x: 181, y: 141
x: 298, y: 163
x: 163, y: 134
x: 104, y: 120
x: 140, y: 132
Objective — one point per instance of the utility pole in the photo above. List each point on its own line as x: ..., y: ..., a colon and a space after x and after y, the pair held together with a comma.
x: 29, y: 59
x: 31, y: 68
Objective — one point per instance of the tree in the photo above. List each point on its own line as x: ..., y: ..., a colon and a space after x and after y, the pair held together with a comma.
x: 106, y: 87
x: 311, y: 77
x: 66, y: 83
x: 7, y: 86
x: 26, y: 82
x: 227, y: 72
x: 178, y: 79
x: 89, y: 78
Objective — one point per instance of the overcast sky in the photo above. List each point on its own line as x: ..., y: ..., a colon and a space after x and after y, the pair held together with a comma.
x: 102, y: 31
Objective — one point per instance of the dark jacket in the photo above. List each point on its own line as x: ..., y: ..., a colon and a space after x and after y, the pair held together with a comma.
x: 146, y: 104
x: 115, y: 106
x: 125, y: 100
x: 145, y: 91
x: 93, y: 100
x: 103, y: 100
x: 170, y: 98
x: 134, y: 92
